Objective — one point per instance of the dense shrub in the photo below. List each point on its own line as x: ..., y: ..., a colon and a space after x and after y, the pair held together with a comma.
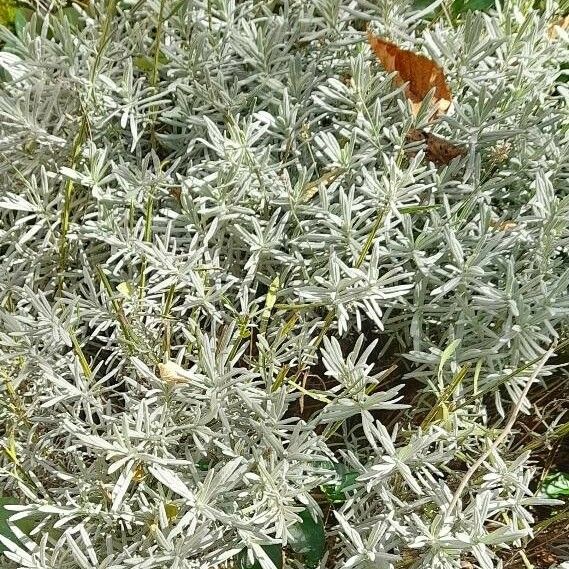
x: 233, y: 305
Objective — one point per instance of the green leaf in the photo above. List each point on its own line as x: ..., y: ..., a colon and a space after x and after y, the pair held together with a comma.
x: 430, y: 9
x: 540, y: 5
x: 21, y: 17
x: 203, y: 464
x: 462, y: 6
x: 74, y: 18
x: 420, y: 4
x: 274, y: 551
x: 556, y: 485
x: 336, y: 493
x: 308, y: 539
x: 457, y: 7
x: 5, y: 530
x: 26, y: 525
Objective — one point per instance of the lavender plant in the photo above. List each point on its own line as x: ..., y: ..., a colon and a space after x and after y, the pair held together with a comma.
x: 225, y: 284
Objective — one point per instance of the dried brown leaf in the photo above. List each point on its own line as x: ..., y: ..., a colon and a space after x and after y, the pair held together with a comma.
x: 419, y: 72
x: 438, y: 150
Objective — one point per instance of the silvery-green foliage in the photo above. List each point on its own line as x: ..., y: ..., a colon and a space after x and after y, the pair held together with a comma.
x: 206, y: 203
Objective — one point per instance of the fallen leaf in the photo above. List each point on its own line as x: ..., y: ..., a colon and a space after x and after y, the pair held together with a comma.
x: 553, y: 29
x: 171, y: 510
x: 437, y: 149
x: 176, y: 193
x: 506, y: 225
x: 312, y: 188
x: 172, y: 373
x: 545, y: 557
x: 139, y: 473
x: 419, y: 72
